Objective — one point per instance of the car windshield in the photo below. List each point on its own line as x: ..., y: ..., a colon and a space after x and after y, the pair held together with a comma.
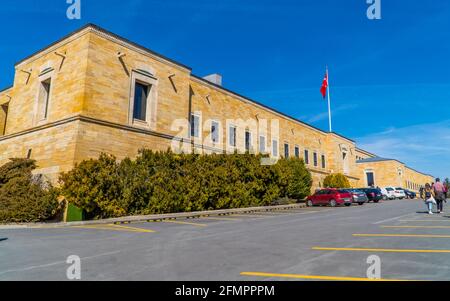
x: 389, y: 189
x: 344, y: 191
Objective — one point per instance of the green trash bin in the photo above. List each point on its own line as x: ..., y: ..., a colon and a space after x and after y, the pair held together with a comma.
x: 74, y: 214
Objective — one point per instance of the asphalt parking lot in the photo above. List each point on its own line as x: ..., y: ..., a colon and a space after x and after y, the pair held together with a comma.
x: 318, y: 243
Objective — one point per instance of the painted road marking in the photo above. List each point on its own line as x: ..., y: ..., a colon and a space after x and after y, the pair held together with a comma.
x: 250, y: 215
x: 185, y: 223
x: 311, y: 277
x: 430, y: 220
x: 221, y: 218
x: 418, y: 227
x: 402, y: 235
x: 380, y: 250
x: 111, y: 227
x: 392, y: 219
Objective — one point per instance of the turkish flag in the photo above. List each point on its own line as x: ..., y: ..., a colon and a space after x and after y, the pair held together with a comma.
x: 324, y: 88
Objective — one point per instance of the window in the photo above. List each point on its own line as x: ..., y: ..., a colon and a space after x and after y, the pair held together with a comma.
x: 370, y: 179
x: 324, y: 165
x: 3, y: 118
x: 275, y: 148
x: 248, y: 140
x: 232, y: 136
x: 306, y: 156
x: 316, y: 163
x: 286, y: 150
x: 262, y: 144
x: 297, y: 152
x: 195, y: 126
x: 141, y: 92
x: 44, y: 99
x: 215, y: 132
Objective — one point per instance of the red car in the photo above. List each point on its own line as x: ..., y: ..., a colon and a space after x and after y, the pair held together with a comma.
x: 332, y: 197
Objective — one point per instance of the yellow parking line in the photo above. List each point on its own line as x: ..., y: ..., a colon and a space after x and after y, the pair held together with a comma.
x: 381, y: 250
x: 249, y: 215
x: 311, y: 277
x: 418, y: 227
x: 402, y: 235
x: 221, y: 218
x: 133, y: 228
x: 185, y: 223
x: 114, y: 228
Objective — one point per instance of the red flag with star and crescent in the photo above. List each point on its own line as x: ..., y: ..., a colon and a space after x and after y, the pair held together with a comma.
x: 324, y: 88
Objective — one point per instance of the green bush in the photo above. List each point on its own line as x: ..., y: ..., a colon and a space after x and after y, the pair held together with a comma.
x: 24, y: 197
x: 337, y: 180
x: 164, y: 182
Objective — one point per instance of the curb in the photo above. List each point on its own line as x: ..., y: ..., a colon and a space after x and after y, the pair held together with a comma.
x: 156, y: 217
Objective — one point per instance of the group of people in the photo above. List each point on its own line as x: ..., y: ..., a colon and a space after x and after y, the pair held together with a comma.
x: 434, y: 194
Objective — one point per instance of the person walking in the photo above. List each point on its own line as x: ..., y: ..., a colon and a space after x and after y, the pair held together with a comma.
x: 439, y: 192
x: 427, y: 194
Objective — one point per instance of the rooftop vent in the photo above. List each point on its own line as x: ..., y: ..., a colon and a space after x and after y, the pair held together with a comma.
x: 214, y: 78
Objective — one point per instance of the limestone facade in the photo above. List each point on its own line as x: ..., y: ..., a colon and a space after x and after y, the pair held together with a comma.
x: 94, y: 92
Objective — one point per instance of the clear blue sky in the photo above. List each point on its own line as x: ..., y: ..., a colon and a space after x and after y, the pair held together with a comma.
x: 390, y: 78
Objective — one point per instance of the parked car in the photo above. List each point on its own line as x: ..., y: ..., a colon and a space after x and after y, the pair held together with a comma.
x: 400, y: 193
x: 390, y: 193
x: 373, y: 194
x: 331, y: 197
x: 410, y: 194
x: 358, y: 196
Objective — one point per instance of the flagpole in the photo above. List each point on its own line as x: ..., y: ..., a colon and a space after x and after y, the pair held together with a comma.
x: 329, y: 102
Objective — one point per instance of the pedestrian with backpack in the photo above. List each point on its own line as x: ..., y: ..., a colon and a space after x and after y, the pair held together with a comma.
x: 427, y: 195
x: 439, y: 194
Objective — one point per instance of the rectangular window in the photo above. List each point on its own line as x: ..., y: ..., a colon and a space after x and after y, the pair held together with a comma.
x: 248, y: 140
x: 262, y: 144
x: 286, y: 150
x: 232, y: 136
x: 141, y: 92
x: 297, y: 152
x: 275, y: 148
x: 306, y: 156
x: 44, y: 98
x: 316, y: 162
x: 215, y: 132
x: 195, y: 126
x: 324, y: 165
x: 370, y: 179
x: 3, y: 118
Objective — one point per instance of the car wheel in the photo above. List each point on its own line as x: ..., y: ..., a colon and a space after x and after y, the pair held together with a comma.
x: 309, y: 203
x: 333, y: 203
x: 360, y: 204
x: 376, y: 202
x: 348, y: 204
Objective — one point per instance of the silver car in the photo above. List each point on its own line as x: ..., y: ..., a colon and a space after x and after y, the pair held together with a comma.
x: 359, y: 197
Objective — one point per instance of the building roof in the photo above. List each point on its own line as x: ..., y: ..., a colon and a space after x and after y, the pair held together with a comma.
x: 376, y: 159
x: 100, y: 29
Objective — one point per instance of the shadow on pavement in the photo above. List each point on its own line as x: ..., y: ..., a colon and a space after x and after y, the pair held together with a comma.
x: 3, y: 239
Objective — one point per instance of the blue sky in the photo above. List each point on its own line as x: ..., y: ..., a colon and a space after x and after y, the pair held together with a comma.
x: 390, y: 78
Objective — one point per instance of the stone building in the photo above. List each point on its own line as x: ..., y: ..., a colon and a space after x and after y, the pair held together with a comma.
x: 94, y: 92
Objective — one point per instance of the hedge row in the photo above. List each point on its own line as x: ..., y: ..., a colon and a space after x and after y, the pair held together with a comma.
x: 24, y: 197
x: 164, y: 182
